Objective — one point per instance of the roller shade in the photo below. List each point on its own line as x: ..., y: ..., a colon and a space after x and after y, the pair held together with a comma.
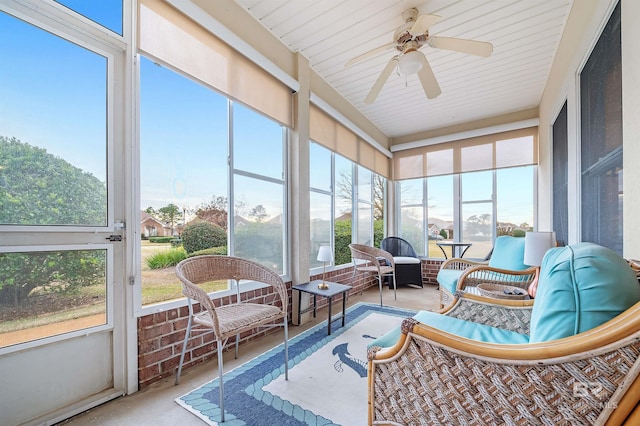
x: 168, y: 36
x: 328, y: 132
x: 499, y: 150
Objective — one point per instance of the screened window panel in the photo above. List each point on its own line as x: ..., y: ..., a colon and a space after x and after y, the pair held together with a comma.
x: 601, y: 145
x: 343, y: 209
x: 259, y: 229
x: 53, y: 129
x: 476, y: 157
x: 560, y: 178
x: 440, y: 212
x: 319, y: 167
x: 320, y: 225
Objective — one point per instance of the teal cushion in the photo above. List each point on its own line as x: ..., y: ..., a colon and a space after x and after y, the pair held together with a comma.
x: 448, y: 279
x: 508, y: 253
x: 468, y: 329
x: 580, y: 287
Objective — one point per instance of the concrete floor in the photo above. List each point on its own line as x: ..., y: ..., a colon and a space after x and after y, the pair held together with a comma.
x: 155, y: 404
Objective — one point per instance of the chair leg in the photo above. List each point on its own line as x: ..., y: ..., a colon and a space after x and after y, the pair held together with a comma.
x: 395, y: 297
x: 184, y: 349
x: 380, y: 287
x: 220, y: 370
x: 286, y: 349
x: 237, y: 344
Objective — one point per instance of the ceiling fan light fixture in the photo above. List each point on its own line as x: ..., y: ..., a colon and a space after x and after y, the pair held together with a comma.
x: 410, y: 63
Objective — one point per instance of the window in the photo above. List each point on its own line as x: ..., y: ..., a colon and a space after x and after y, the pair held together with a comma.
x: 258, y: 188
x: 560, y: 177
x: 343, y: 209
x: 428, y: 211
x: 53, y: 176
x: 601, y: 144
x: 53, y: 135
x: 321, y: 200
x: 332, y: 204
x: 200, y: 178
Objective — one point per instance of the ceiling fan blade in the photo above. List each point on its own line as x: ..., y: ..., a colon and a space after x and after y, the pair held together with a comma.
x: 384, y: 75
x: 369, y: 54
x: 472, y: 47
x: 423, y: 23
x: 428, y: 80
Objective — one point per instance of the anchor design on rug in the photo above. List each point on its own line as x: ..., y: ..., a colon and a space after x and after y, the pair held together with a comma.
x: 345, y: 358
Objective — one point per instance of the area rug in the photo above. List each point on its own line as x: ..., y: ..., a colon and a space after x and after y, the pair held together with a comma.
x: 327, y: 377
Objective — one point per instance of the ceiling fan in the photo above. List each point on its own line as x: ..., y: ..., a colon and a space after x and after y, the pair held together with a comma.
x: 408, y: 39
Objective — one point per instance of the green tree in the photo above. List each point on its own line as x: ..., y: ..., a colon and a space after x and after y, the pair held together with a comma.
x: 215, y: 211
x: 38, y: 188
x: 259, y: 213
x: 170, y: 214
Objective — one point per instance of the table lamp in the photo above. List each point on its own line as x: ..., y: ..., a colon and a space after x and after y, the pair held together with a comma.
x: 324, y: 255
x: 536, y: 245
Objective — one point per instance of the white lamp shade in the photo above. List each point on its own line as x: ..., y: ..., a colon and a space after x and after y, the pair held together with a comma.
x: 536, y: 245
x: 325, y: 254
x: 410, y: 62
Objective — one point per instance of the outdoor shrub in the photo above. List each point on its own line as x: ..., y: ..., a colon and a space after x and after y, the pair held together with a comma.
x: 166, y: 258
x: 203, y: 235
x: 160, y: 239
x: 220, y: 251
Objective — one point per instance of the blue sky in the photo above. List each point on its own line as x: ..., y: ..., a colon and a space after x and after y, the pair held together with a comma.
x: 53, y: 95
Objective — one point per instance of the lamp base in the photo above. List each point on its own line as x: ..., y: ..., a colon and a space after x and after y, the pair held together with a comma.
x: 323, y: 286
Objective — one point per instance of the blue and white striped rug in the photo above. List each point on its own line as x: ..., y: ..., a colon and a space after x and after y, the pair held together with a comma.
x: 327, y: 377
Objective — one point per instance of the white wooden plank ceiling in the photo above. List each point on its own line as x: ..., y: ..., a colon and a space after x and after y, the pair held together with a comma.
x: 524, y: 33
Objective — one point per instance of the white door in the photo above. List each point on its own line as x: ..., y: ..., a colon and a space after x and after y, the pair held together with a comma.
x: 62, y: 279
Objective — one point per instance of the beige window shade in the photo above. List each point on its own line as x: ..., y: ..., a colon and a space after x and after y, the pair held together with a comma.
x: 499, y: 150
x: 328, y: 132
x: 170, y: 37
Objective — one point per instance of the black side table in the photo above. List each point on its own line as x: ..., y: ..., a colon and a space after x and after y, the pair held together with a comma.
x: 312, y: 288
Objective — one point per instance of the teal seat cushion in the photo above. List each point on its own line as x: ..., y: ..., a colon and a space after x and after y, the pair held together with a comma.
x: 581, y: 286
x: 448, y: 279
x: 470, y: 330
x: 508, y: 253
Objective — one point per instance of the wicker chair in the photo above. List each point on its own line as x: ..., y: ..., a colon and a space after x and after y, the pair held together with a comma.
x: 230, y: 320
x: 366, y: 259
x: 431, y: 375
x: 466, y: 274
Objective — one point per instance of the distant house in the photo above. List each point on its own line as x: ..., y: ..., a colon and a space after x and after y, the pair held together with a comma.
x: 433, y: 230
x: 152, y: 227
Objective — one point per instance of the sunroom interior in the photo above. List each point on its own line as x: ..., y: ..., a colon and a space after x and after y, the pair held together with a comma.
x: 129, y: 125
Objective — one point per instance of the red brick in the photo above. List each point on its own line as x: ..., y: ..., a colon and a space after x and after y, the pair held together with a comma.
x: 145, y: 321
x: 172, y: 314
x: 148, y: 346
x: 150, y: 333
x: 147, y: 372
x: 155, y: 357
x: 170, y: 339
x: 159, y: 317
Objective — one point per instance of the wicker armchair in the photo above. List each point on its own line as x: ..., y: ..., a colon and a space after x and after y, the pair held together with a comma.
x: 366, y: 259
x: 572, y: 357
x: 229, y: 320
x: 433, y: 377
x: 504, y: 267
